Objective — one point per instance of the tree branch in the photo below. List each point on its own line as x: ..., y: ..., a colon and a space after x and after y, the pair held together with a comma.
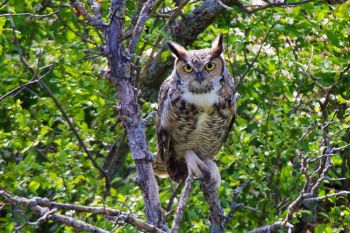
x: 211, y: 196
x: 24, y: 85
x: 50, y: 214
x: 273, y: 4
x: 50, y: 209
x: 234, y: 203
x: 139, y: 26
x: 129, y: 109
x: 93, y: 20
x: 340, y: 193
x: 182, y: 203
x: 29, y: 14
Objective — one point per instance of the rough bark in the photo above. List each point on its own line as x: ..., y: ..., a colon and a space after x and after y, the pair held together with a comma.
x: 129, y: 110
x: 217, y: 218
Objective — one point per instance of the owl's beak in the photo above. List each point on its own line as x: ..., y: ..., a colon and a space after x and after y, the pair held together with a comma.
x: 199, y: 77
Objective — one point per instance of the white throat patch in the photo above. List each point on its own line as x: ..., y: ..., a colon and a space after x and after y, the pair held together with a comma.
x: 205, y: 100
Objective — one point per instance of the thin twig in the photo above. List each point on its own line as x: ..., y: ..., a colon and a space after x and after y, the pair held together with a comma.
x: 223, y: 5
x: 30, y: 14
x: 21, y: 87
x: 273, y: 4
x: 340, y: 193
x: 182, y: 203
x: 251, y: 64
x: 234, y: 203
x: 44, y: 218
x: 173, y: 195
x: 340, y: 148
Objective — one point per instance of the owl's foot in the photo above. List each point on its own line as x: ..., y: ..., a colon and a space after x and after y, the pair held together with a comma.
x: 215, y: 177
x: 205, y: 170
x: 195, y: 165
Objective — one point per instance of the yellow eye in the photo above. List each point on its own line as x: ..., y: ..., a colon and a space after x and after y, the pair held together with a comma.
x: 188, y: 68
x: 210, y: 66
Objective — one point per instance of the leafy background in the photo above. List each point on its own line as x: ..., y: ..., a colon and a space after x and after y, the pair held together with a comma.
x: 279, y: 115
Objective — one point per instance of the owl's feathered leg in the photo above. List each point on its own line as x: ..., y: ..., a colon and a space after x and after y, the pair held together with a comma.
x: 206, y: 169
x: 195, y: 165
x: 215, y: 176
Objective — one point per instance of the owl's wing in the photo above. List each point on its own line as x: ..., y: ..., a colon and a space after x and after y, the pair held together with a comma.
x: 163, y: 134
x: 232, y: 97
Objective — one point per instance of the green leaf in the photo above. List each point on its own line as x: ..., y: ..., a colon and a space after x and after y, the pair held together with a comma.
x: 333, y: 38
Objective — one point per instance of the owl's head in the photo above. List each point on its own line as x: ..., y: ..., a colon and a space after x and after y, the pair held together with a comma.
x: 200, y: 70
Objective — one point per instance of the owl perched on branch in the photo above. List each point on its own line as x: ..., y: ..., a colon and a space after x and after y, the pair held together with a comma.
x: 197, y: 107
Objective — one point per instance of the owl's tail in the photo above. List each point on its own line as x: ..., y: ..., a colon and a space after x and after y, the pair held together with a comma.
x: 159, y: 167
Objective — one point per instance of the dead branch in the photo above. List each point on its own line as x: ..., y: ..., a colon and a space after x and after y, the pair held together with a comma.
x: 269, y: 228
x: 46, y: 213
x: 315, y: 199
x: 139, y: 26
x: 50, y: 209
x: 273, y: 4
x: 30, y: 15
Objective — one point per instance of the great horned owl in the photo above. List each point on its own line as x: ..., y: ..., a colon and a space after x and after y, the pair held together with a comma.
x: 197, y: 107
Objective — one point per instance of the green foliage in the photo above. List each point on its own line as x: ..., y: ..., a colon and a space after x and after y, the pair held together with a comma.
x: 279, y: 115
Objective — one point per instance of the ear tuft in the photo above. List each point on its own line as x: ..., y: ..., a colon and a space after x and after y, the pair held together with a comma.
x: 216, y: 46
x: 177, y: 50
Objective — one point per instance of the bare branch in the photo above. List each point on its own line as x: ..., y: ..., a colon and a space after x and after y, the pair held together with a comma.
x: 182, y: 203
x: 234, y: 203
x: 315, y: 80
x: 273, y: 4
x: 173, y: 195
x: 269, y: 228
x: 29, y: 14
x: 223, y: 5
x: 340, y: 148
x: 139, y: 26
x: 340, y: 193
x: 21, y: 87
x: 44, y: 218
x: 96, y: 8
x: 50, y: 214
x: 52, y: 207
x: 93, y: 20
